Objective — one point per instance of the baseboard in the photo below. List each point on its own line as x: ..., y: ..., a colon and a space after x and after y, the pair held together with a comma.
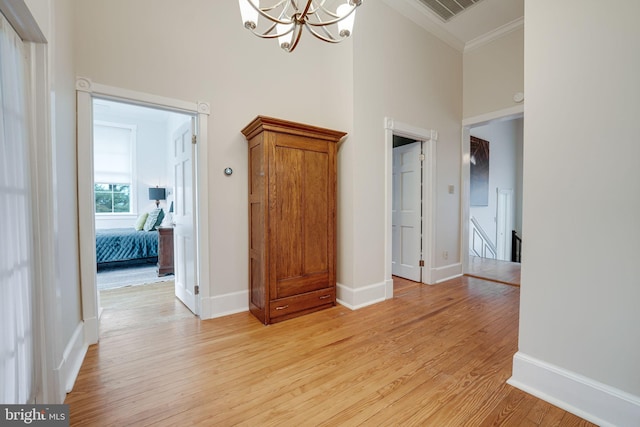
x: 224, y: 305
x: 72, y: 358
x: 595, y: 402
x: 448, y: 272
x: 362, y: 296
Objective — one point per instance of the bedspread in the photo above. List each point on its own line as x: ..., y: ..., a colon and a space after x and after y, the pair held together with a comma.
x: 125, y: 244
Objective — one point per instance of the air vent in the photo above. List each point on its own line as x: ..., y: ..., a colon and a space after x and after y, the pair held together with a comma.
x: 447, y: 9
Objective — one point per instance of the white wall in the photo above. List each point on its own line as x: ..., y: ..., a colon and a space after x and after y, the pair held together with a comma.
x: 198, y: 50
x: 209, y: 56
x: 505, y: 140
x: 55, y: 19
x: 407, y: 74
x: 493, y: 73
x: 579, y: 296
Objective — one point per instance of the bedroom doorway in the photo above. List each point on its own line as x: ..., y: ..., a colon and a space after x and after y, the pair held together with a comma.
x: 133, y: 160
x: 147, y: 198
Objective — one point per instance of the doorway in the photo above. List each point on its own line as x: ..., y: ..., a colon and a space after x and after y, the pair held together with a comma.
x: 407, y: 209
x: 428, y: 139
x: 87, y: 92
x: 134, y: 149
x: 487, y: 227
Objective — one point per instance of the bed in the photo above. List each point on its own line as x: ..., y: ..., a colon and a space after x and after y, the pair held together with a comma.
x: 125, y: 245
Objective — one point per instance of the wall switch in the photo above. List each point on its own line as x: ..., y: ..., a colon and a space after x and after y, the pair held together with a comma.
x: 452, y: 189
x: 445, y: 254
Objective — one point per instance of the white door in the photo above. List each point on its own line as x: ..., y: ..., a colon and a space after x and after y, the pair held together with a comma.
x: 407, y: 211
x: 184, y: 242
x: 504, y: 224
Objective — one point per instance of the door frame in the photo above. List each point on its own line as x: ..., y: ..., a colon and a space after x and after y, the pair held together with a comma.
x: 428, y: 137
x: 86, y: 91
x: 511, y: 113
x: 419, y: 270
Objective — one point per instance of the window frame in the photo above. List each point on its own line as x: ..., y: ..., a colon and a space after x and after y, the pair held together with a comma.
x: 133, y: 187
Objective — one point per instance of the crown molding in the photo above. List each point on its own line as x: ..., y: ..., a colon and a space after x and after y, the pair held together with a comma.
x: 492, y: 35
x: 426, y: 19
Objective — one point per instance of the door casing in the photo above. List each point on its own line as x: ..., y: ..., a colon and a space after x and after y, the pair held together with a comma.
x: 86, y: 91
x: 429, y: 137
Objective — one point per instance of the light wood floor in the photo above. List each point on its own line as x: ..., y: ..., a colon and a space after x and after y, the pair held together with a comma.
x: 432, y: 356
x: 494, y: 270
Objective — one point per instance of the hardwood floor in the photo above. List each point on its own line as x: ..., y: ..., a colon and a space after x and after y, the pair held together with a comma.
x: 494, y: 270
x: 432, y: 356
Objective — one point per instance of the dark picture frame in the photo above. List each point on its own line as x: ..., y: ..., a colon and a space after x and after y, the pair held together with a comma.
x: 479, y: 168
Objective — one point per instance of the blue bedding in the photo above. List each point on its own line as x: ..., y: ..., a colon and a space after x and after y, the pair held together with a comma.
x: 125, y: 244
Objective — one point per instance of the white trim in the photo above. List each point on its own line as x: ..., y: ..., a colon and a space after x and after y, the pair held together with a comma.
x: 515, y: 112
x: 47, y: 311
x: 447, y: 272
x: 429, y: 137
x: 508, y: 113
x: 86, y: 90
x: 224, y: 305
x: 22, y: 21
x: 596, y: 402
x: 494, y: 34
x: 72, y: 358
x: 362, y: 296
x: 423, y: 17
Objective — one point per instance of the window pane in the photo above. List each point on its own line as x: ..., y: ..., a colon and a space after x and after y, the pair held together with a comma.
x: 104, y: 202
x: 112, y: 198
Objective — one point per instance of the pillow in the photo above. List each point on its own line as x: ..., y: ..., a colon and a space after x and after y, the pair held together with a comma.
x: 142, y: 218
x: 160, y: 218
x: 150, y: 223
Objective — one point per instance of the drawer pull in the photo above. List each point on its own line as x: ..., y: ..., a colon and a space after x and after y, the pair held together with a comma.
x: 325, y: 296
x: 282, y: 307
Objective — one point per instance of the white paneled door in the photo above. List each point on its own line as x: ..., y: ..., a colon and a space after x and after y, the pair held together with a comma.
x: 183, y: 217
x: 407, y: 211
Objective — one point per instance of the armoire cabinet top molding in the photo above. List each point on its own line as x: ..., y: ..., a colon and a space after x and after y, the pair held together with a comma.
x: 262, y: 123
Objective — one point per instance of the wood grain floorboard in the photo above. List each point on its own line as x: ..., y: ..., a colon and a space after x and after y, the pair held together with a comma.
x: 431, y: 356
x: 494, y: 270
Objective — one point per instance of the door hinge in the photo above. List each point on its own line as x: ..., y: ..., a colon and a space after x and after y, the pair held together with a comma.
x: 196, y: 290
x: 421, y: 263
x: 422, y: 157
x: 194, y: 139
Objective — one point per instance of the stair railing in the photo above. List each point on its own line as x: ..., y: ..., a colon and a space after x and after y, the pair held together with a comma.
x: 516, y: 247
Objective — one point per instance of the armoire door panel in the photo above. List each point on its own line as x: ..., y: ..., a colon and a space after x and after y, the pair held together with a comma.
x: 288, y: 214
x: 315, y: 212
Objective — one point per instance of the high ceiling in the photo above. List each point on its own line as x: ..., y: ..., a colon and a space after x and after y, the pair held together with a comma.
x: 470, y: 26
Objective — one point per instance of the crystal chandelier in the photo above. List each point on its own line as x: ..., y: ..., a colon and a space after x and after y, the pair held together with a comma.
x: 328, y: 20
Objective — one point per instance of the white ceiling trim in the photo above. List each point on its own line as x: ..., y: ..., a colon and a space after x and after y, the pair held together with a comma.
x: 426, y: 19
x: 492, y: 35
x: 21, y: 19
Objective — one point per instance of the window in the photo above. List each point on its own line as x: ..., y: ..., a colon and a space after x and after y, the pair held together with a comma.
x: 17, y: 279
x: 113, y: 149
x: 112, y: 198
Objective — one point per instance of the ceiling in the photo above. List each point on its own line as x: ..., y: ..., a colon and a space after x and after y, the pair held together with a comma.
x: 482, y: 21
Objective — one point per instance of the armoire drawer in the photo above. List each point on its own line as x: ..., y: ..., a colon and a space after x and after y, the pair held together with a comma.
x: 284, y: 306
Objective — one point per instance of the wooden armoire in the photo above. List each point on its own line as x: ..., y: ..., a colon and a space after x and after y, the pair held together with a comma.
x: 292, y: 218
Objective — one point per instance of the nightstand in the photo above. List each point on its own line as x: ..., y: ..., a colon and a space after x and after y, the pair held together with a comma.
x: 165, y: 251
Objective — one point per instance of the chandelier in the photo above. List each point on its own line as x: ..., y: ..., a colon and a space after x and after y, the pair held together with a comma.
x: 284, y: 19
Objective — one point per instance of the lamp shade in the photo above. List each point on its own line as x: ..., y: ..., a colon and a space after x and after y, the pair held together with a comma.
x: 349, y: 14
x: 249, y: 14
x: 156, y: 193
x: 171, y: 208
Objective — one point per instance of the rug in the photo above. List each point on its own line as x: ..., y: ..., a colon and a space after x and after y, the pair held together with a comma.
x: 111, y: 278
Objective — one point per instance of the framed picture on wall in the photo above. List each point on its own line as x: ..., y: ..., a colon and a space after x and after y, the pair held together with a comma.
x: 479, y: 160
